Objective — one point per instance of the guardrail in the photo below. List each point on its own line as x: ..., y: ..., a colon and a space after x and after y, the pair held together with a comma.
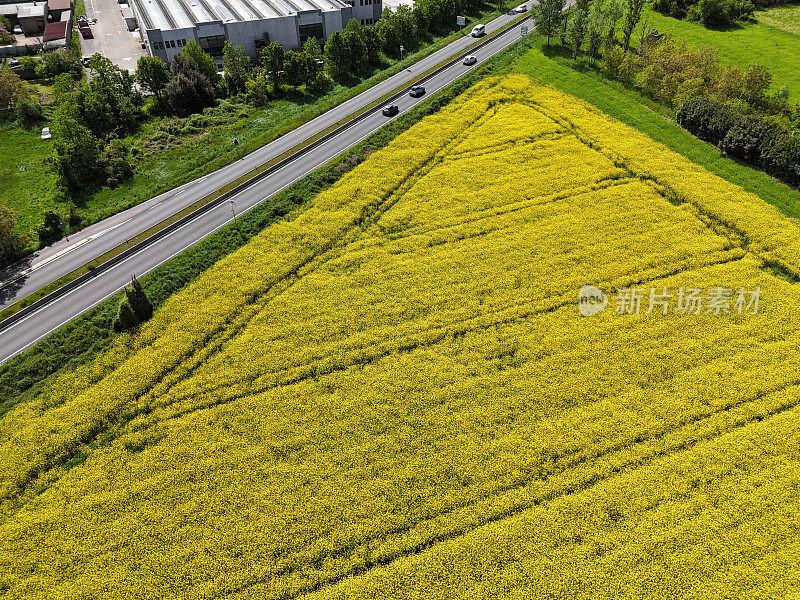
x: 139, y: 246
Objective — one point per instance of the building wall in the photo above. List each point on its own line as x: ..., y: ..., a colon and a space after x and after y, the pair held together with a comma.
x: 367, y: 12
x: 286, y: 30
x: 280, y: 29
x: 166, y: 44
x: 32, y: 25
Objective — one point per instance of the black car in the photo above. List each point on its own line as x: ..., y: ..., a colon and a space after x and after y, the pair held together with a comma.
x: 391, y: 110
x: 416, y: 91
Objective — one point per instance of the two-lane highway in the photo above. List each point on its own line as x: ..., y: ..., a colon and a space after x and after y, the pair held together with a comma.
x: 65, y: 256
x: 113, y: 231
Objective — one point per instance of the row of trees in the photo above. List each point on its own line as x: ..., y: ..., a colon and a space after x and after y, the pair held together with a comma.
x: 665, y: 69
x: 726, y: 105
x: 594, y: 24
x: 181, y: 89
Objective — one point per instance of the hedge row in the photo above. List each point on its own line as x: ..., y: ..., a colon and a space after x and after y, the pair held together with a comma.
x: 752, y: 138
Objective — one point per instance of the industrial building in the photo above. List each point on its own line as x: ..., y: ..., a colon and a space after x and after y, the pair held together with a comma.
x: 168, y: 25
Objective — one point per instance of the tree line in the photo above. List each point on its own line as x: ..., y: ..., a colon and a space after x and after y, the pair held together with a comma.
x: 726, y: 105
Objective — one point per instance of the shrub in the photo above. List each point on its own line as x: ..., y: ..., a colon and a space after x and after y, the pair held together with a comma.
x: 781, y: 157
x: 114, y: 161
x: 126, y: 319
x: 708, y: 119
x: 29, y: 111
x: 747, y: 137
x: 649, y: 79
x: 630, y: 66
x: 612, y: 61
x: 711, y: 13
x: 51, y: 229
x: 691, y: 88
x: 12, y: 243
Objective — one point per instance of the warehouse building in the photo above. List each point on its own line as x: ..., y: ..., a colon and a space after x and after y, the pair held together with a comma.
x: 168, y: 25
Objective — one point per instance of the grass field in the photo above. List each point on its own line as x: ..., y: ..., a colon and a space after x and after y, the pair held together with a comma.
x: 785, y: 17
x: 743, y: 45
x: 27, y: 185
x: 393, y: 394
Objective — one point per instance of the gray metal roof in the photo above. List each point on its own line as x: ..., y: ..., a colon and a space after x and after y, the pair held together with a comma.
x: 184, y: 14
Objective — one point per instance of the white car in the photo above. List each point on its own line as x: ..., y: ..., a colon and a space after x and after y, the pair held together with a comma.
x: 478, y: 30
x: 17, y: 30
x: 46, y: 133
x: 470, y: 60
x: 521, y: 8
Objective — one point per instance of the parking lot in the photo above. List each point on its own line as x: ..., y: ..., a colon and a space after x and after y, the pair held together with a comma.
x: 111, y: 36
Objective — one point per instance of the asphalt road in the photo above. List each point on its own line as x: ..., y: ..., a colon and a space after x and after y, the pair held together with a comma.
x: 65, y: 256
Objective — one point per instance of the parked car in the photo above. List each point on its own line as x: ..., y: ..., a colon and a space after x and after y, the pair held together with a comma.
x: 470, y: 60
x: 521, y: 8
x: 391, y: 110
x: 86, y: 32
x: 478, y: 30
x: 13, y: 63
x: 85, y: 60
x: 17, y: 30
x: 46, y: 133
x: 416, y: 91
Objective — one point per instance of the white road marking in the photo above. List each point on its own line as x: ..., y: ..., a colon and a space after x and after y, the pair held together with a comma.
x: 105, y: 231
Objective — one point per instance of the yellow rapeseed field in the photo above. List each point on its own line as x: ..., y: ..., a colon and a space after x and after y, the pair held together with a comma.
x: 395, y: 395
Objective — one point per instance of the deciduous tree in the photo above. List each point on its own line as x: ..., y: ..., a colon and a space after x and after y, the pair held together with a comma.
x: 295, y: 68
x: 595, y: 27
x: 547, y: 15
x: 237, y: 68
x: 153, y: 74
x: 273, y: 58
x: 203, y: 60
x: 633, y: 14
x: 577, y: 30
x: 11, y: 88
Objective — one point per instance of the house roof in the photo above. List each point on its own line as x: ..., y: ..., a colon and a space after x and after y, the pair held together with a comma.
x: 55, y: 31
x: 31, y: 10
x: 59, y: 4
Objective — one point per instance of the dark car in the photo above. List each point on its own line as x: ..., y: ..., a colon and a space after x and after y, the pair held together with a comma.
x: 416, y: 91
x: 391, y: 110
x: 86, y: 32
